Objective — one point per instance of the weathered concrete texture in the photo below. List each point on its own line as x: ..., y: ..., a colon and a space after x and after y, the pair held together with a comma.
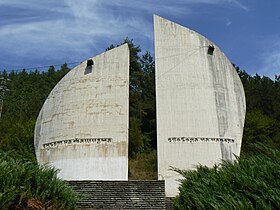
x: 200, y: 102
x: 82, y: 128
x: 120, y: 194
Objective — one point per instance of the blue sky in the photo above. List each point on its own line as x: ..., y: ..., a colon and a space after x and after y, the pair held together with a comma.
x: 49, y: 32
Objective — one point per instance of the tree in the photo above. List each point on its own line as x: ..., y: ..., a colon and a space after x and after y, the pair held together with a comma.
x: 258, y: 128
x: 262, y: 123
x: 28, y: 91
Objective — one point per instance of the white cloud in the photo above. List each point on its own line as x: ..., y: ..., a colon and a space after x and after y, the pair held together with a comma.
x: 270, y: 59
x: 228, y: 22
x: 239, y: 4
x: 81, y: 27
x: 271, y: 64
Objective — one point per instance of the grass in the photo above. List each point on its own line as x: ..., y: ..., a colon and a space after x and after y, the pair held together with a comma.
x: 143, y: 166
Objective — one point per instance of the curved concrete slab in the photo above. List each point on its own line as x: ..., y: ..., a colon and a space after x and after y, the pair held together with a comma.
x: 82, y: 128
x: 200, y: 102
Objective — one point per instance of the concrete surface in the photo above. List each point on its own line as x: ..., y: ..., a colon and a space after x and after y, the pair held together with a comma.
x: 82, y: 128
x: 200, y: 102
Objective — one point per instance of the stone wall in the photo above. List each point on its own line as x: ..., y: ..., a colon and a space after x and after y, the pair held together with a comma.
x: 120, y: 194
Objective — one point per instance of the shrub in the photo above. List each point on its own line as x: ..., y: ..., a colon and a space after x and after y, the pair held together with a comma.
x: 251, y: 183
x: 25, y: 185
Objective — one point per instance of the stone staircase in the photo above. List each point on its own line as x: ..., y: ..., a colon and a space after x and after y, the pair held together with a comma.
x: 120, y: 194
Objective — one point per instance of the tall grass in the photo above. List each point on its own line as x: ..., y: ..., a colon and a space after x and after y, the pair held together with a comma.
x: 143, y: 166
x: 251, y: 183
x: 25, y: 185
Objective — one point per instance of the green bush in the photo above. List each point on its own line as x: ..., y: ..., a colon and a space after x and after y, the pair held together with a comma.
x: 25, y: 185
x: 251, y: 183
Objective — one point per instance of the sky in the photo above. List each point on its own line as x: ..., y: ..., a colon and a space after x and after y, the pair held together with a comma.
x: 37, y: 34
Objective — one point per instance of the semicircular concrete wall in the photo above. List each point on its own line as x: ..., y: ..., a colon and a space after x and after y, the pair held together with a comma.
x: 200, y: 102
x: 82, y: 128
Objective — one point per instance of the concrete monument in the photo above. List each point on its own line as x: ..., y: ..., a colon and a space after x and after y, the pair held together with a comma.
x: 82, y: 128
x: 200, y: 102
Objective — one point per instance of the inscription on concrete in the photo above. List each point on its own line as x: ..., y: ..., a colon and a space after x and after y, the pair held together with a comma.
x: 199, y: 139
x: 76, y: 141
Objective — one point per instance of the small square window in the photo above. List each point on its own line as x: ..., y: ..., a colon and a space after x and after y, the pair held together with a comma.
x: 211, y: 49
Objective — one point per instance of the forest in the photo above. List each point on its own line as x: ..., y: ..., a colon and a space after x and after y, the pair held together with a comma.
x: 26, y: 92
